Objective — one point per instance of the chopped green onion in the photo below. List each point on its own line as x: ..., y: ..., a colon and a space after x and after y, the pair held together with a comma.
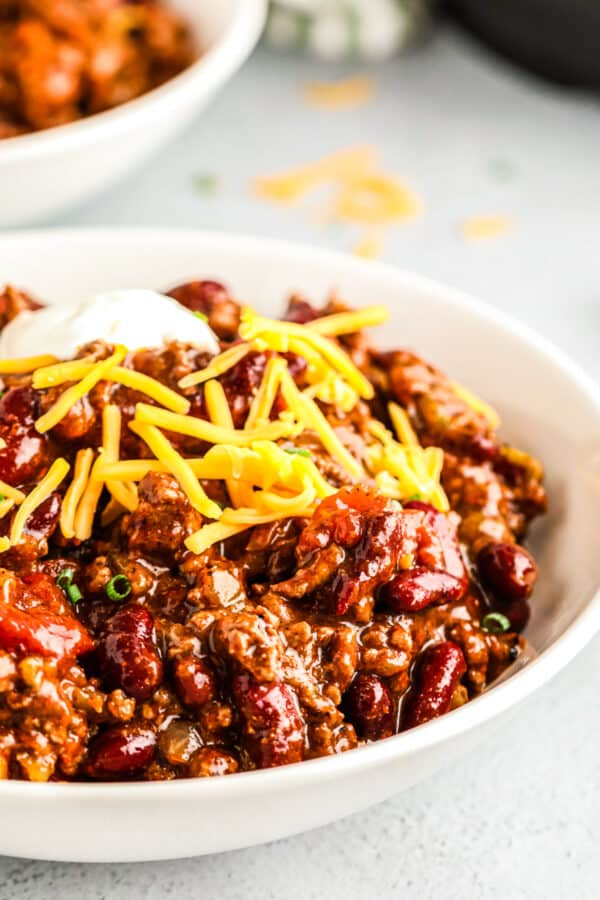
x: 201, y: 316
x: 2, y: 497
x: 205, y: 183
x: 65, y: 583
x: 502, y: 169
x: 412, y: 497
x: 495, y: 623
x: 73, y: 593
x: 118, y: 588
x: 298, y: 451
x: 65, y: 579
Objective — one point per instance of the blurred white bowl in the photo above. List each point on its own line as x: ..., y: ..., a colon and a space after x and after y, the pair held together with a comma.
x: 547, y: 406
x: 44, y: 173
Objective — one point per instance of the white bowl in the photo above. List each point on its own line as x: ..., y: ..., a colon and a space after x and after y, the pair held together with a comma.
x: 44, y: 173
x: 547, y: 405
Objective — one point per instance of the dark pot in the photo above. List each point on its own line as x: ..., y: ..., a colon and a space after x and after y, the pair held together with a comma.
x: 558, y: 39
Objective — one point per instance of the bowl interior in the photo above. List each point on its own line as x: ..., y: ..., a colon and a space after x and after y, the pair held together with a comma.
x: 208, y: 20
x: 545, y: 406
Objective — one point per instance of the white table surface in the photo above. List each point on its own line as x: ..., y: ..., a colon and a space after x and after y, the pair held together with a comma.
x: 516, y: 819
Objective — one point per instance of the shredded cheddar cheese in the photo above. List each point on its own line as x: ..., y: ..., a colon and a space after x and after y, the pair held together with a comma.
x: 213, y: 434
x: 27, y: 364
x: 75, y: 491
x: 276, y: 334
x: 402, y: 426
x: 475, y: 402
x: 364, y: 193
x: 307, y: 412
x: 125, y: 494
x: 179, y: 467
x: 214, y: 533
x: 485, y: 227
x: 5, y: 506
x: 375, y: 199
x: 127, y: 470
x: 262, y: 403
x: 137, y: 381
x: 217, y: 405
x: 86, y: 510
x: 434, y: 462
x: 4, y: 544
x: 217, y: 366
x: 58, y: 373
x: 9, y: 491
x: 380, y: 432
x: 349, y: 93
x: 371, y: 245
x: 41, y: 492
x: 73, y: 394
x: 286, y: 505
x: 130, y: 378
x: 333, y: 390
x: 349, y: 322
x: 84, y: 517
x: 234, y: 522
x: 406, y: 470
x: 289, y: 186
x: 220, y: 414
x: 265, y: 465
x: 252, y: 516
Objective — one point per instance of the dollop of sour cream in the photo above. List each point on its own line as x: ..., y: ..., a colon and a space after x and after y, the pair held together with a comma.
x: 135, y: 318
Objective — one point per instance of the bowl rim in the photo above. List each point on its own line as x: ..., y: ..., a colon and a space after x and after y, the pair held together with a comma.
x: 220, y: 60
x: 495, y: 701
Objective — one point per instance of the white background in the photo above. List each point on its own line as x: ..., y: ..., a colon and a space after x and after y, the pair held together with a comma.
x: 519, y: 818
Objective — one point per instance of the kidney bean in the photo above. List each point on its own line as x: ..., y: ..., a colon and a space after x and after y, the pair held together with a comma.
x: 120, y: 752
x: 438, y: 670
x: 273, y: 727
x: 78, y: 423
x: 419, y: 588
x: 195, y: 681
x: 44, y: 632
x: 424, y: 507
x: 42, y: 523
x: 241, y: 382
x: 300, y: 311
x: 508, y: 570
x: 446, y: 534
x: 369, y: 707
x: 26, y: 451
x: 127, y: 653
x: 517, y: 612
x: 20, y: 405
x: 297, y: 366
x: 199, y: 296
x: 212, y: 299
